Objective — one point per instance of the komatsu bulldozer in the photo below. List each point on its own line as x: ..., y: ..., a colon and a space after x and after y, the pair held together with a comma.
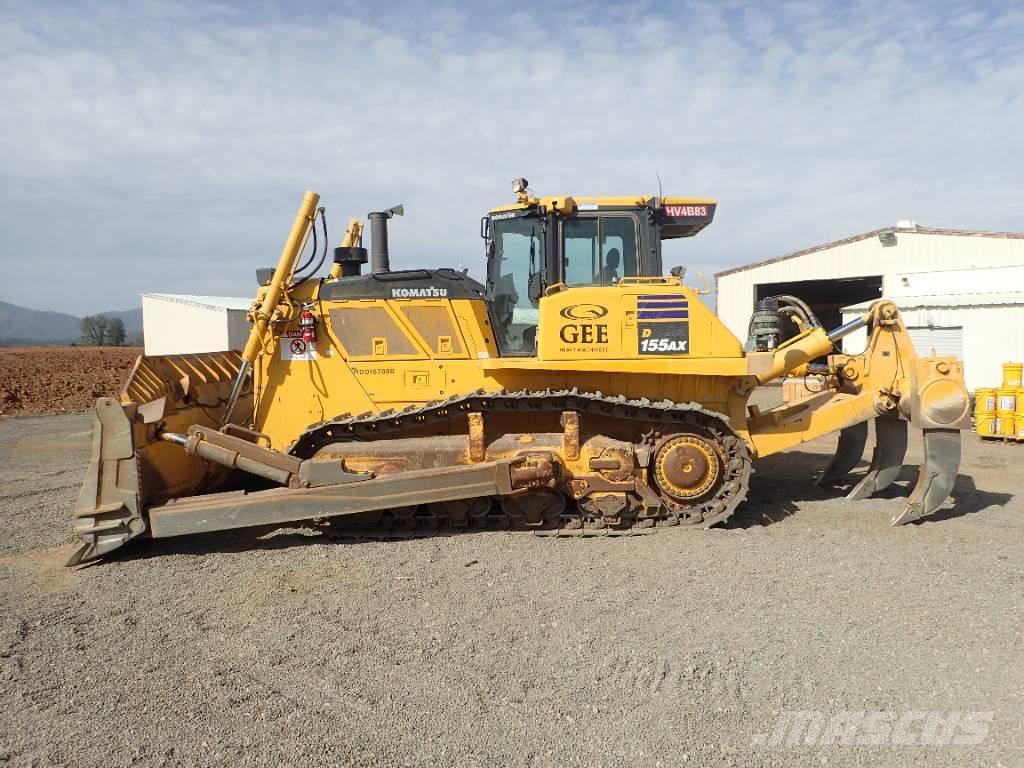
x: 577, y: 391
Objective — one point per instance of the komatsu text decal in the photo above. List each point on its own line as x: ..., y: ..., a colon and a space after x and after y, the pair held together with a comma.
x: 419, y: 293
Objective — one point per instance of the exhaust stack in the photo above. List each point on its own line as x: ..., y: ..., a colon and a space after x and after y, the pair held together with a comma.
x: 380, y: 258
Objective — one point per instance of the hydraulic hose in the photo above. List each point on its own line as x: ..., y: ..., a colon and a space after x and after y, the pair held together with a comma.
x: 312, y: 254
x: 323, y: 254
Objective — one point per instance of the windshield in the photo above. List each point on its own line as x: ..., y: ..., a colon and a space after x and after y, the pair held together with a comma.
x: 515, y: 256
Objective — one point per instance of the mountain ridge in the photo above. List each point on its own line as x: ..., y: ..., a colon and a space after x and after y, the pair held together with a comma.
x: 23, y: 325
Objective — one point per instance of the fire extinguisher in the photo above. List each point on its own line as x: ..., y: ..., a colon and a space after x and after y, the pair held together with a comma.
x: 307, y: 322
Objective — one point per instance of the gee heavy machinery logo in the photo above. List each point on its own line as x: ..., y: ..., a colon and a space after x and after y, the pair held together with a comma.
x: 585, y: 331
x: 663, y: 326
x: 583, y: 312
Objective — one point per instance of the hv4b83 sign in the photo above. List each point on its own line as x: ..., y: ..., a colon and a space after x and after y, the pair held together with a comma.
x: 294, y: 348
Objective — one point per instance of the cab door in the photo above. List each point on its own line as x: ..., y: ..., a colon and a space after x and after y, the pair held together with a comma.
x: 516, y: 265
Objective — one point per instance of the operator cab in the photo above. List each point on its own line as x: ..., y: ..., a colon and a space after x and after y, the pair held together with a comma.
x: 537, y: 244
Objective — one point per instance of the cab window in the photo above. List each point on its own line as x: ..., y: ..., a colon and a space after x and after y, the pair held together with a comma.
x: 598, y: 250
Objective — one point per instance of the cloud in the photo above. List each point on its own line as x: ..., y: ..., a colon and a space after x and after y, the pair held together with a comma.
x: 166, y: 149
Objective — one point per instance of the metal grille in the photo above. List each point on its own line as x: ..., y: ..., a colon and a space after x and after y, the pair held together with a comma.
x: 432, y: 323
x: 357, y: 327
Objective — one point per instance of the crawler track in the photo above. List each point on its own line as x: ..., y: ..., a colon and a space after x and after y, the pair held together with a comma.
x: 644, y: 421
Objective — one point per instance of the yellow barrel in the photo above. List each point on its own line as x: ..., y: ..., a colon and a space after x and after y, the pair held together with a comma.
x: 1006, y: 399
x: 984, y: 401
x: 1006, y: 411
x: 1020, y: 426
x: 1006, y: 424
x: 987, y: 425
x: 1020, y: 401
x: 1012, y: 374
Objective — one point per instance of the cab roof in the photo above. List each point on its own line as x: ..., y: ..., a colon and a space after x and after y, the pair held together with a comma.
x: 678, y: 216
x: 636, y: 201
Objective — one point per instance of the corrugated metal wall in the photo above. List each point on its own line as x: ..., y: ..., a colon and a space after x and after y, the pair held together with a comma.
x: 956, y: 282
x: 990, y: 335
x: 238, y: 329
x: 914, y: 252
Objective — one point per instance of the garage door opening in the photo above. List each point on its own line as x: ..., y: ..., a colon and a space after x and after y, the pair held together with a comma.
x: 826, y: 297
x: 942, y: 340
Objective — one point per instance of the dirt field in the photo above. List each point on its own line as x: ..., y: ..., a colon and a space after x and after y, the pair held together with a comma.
x: 504, y: 649
x: 61, y: 379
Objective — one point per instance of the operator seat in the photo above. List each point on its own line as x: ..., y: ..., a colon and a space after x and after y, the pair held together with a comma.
x: 609, y: 274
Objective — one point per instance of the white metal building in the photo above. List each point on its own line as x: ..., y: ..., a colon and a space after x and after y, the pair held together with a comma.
x: 961, y: 292
x: 182, y: 324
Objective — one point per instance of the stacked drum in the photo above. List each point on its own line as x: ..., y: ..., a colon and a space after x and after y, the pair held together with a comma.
x: 999, y: 412
x: 985, y: 412
x: 1012, y: 378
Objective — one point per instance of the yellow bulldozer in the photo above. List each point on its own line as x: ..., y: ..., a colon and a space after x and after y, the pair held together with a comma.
x: 577, y: 391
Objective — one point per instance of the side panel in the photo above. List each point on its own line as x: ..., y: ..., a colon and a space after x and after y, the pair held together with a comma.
x: 630, y: 321
x: 370, y: 355
x: 298, y: 384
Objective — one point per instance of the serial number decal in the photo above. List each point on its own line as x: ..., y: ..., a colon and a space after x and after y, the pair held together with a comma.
x: 663, y: 338
x: 373, y: 371
x: 679, y: 211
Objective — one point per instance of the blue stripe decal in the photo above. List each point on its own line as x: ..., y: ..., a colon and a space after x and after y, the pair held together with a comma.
x: 663, y: 305
x: 662, y: 297
x: 672, y: 314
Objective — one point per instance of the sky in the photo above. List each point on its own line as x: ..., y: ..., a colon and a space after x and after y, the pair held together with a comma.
x: 165, y: 147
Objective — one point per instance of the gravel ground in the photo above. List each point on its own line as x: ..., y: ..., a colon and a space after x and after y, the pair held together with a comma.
x: 499, y: 648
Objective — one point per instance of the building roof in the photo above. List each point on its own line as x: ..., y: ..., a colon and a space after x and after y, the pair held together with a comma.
x: 915, y: 229
x: 946, y: 300
x: 212, y: 302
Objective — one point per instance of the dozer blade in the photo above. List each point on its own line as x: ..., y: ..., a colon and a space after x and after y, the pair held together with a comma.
x: 937, y: 476
x: 851, y: 447
x: 130, y: 468
x: 108, y: 510
x: 887, y: 459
